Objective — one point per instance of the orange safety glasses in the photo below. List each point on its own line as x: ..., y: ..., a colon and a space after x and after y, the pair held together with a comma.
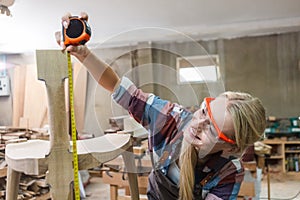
x: 221, y: 135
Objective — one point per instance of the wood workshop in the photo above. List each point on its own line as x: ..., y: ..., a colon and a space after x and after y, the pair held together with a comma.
x: 149, y: 100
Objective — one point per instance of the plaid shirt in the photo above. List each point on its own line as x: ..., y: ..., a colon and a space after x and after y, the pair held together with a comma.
x: 165, y: 122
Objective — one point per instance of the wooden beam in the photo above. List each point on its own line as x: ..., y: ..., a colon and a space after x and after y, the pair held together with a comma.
x: 35, y: 99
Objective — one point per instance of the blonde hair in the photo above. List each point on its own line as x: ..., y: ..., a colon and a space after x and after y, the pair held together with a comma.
x: 249, y: 118
x: 249, y: 123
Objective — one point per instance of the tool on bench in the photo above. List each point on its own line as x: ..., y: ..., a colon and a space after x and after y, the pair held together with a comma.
x: 77, y: 33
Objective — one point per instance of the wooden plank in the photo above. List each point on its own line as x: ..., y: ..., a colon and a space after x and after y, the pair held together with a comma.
x: 142, y: 190
x: 43, y: 196
x: 113, y: 192
x: 247, y: 189
x: 139, y: 150
x: 3, y: 172
x: 17, y: 140
x: 24, y: 122
x: 35, y: 100
x: 251, y: 166
x: 42, y: 183
x: 117, y: 178
x: 19, y: 93
x: 80, y: 86
x: 44, y: 119
x: 129, y: 197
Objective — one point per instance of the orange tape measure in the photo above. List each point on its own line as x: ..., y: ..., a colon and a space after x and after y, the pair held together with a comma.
x: 74, y: 132
x: 77, y: 33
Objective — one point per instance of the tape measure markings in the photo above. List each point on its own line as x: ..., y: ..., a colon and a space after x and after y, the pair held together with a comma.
x: 73, y: 127
x: 78, y: 32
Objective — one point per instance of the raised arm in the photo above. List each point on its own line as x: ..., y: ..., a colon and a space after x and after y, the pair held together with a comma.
x: 100, y: 71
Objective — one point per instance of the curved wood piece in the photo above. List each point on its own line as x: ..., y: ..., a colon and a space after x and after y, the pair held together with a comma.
x: 29, y: 157
x: 52, y: 69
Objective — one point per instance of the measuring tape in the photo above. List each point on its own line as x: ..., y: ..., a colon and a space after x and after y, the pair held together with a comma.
x: 73, y: 128
x: 77, y: 33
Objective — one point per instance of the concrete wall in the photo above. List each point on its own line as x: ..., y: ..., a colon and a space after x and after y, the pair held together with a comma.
x: 269, y: 68
x: 265, y: 66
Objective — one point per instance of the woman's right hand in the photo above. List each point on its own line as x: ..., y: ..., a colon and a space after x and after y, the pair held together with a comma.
x: 100, y: 71
x: 79, y: 51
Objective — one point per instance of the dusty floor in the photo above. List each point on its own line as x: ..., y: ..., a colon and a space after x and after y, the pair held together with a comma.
x: 285, y: 190
x: 279, y: 189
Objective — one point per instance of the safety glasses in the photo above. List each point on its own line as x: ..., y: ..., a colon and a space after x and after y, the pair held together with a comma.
x: 221, y: 135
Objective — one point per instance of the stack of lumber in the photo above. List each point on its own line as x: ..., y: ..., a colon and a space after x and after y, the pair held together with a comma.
x: 30, y: 187
x: 12, y: 135
x: 33, y: 187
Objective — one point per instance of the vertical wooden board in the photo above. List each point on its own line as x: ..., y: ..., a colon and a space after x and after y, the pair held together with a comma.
x: 19, y: 94
x: 24, y: 122
x: 35, y: 101
x: 52, y: 68
x: 80, y: 84
x: 79, y: 88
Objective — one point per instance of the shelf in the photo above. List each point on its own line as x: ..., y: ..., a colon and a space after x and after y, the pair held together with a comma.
x: 292, y: 151
x: 276, y: 157
x: 282, y: 149
x: 292, y: 142
x: 293, y: 173
x: 274, y: 141
x: 282, y: 134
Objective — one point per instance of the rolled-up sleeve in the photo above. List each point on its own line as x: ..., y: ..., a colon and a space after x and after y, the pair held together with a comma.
x: 163, y: 118
x: 132, y: 99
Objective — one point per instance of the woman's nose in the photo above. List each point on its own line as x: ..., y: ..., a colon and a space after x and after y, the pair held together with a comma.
x: 199, y: 125
x: 202, y: 123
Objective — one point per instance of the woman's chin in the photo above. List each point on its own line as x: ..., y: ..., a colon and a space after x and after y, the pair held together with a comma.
x: 193, y: 141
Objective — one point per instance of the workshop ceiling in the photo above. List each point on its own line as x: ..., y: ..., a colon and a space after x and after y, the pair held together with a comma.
x: 33, y: 22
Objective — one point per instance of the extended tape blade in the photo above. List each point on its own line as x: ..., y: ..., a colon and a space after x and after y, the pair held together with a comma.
x: 73, y: 129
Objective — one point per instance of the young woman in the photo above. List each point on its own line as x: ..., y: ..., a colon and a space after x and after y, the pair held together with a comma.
x: 195, y: 155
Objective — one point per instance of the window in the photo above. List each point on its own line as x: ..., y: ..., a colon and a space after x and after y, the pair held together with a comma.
x: 198, y: 69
